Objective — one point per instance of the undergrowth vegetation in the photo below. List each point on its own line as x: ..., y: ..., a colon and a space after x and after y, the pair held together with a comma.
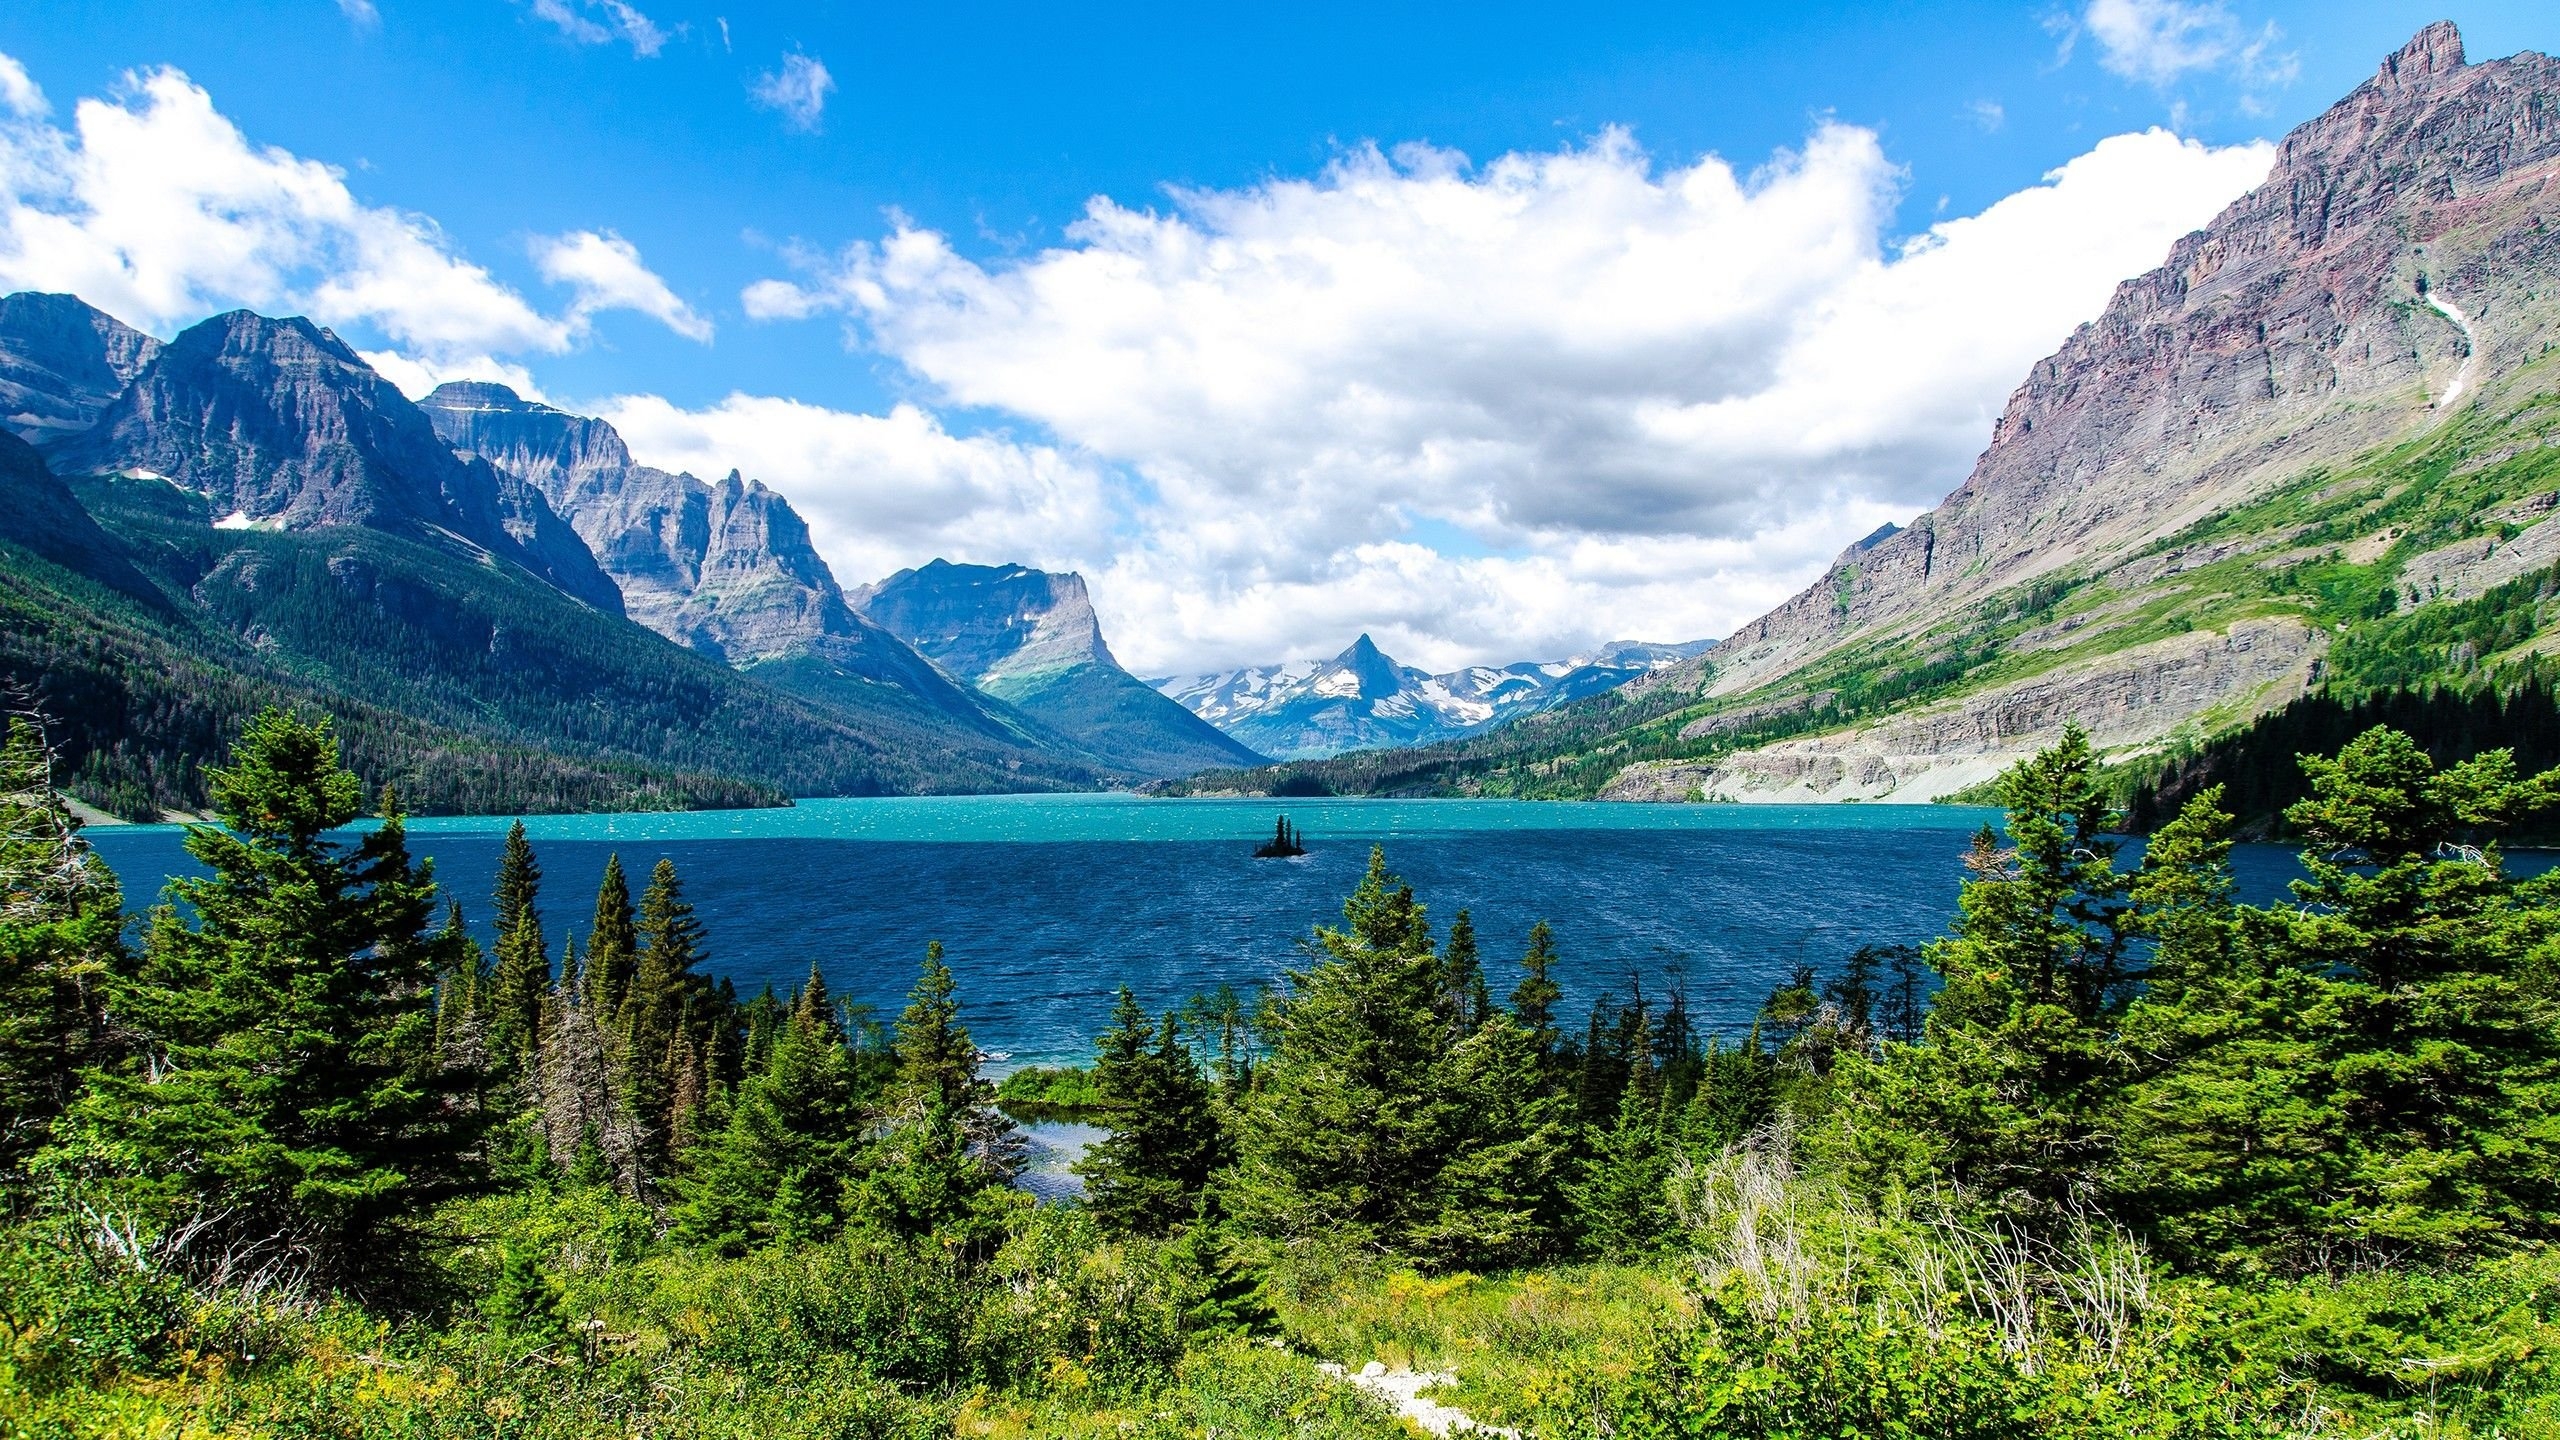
x: 2149, y: 1163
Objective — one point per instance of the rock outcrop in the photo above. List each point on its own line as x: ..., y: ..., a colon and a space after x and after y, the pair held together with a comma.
x: 1031, y: 638
x: 725, y: 568
x: 62, y: 362
x: 279, y: 425
x: 2126, y: 705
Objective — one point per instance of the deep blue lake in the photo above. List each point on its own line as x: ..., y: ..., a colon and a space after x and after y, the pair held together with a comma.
x: 1047, y: 904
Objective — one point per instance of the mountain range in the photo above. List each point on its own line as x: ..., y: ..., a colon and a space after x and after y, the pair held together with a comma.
x: 1362, y: 700
x: 1030, y: 638
x: 502, y: 607
x: 2317, y: 448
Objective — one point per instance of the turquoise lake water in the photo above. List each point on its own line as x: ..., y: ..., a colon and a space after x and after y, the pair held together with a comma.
x: 1048, y: 903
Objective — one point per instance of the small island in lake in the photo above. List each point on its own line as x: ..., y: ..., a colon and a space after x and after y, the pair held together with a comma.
x: 1286, y: 842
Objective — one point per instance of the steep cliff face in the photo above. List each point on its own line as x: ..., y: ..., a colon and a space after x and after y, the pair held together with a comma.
x: 281, y: 426
x: 727, y: 568
x: 62, y: 362
x: 2388, y: 264
x: 1031, y: 638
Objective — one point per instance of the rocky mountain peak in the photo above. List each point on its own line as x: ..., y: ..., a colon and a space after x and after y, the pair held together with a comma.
x: 2391, y: 250
x: 1374, y: 675
x: 570, y: 458
x: 990, y: 624
x: 277, y: 423
x: 2435, y: 50
x: 62, y: 362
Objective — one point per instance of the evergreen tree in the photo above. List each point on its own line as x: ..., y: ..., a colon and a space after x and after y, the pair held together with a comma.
x: 523, y: 974
x: 2372, y: 1068
x: 948, y: 1155
x: 1624, y: 1198
x: 773, y: 1169
x: 1227, y: 1296
x: 61, y: 941
x: 523, y: 1305
x: 288, y: 1001
x: 2006, y: 1089
x: 1736, y: 1095
x: 655, y: 1010
x: 1534, y: 999
x: 613, y: 942
x: 1340, y: 1136
x: 1463, y: 1002
x: 1147, y: 1175
x: 1500, y: 1199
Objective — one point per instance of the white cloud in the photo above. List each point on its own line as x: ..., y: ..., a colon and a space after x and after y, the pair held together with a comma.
x: 18, y: 92
x: 155, y: 208
x: 799, y: 90
x: 882, y: 492
x: 1987, y: 115
x: 607, y: 274
x: 415, y: 376
x: 578, y: 20
x: 360, y: 13
x: 2160, y: 41
x: 1651, y: 402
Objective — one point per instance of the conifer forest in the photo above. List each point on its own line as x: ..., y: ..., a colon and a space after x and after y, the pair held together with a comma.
x: 292, y: 1155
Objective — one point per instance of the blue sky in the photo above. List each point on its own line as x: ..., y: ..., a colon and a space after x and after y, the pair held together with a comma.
x: 503, y: 126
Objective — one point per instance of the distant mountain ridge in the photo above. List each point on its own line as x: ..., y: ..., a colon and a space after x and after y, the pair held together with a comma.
x: 1362, y: 700
x: 1031, y: 638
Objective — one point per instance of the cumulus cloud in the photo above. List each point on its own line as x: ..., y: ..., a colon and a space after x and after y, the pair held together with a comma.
x: 18, y: 92
x: 799, y: 90
x: 607, y: 273
x: 602, y: 22
x: 1648, y: 402
x: 2160, y: 41
x: 154, y: 207
x: 416, y: 375
x: 882, y: 492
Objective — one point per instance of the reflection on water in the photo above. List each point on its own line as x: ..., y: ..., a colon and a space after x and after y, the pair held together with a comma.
x: 1056, y: 1145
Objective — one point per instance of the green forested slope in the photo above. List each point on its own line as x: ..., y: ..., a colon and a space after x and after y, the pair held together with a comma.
x: 471, y: 685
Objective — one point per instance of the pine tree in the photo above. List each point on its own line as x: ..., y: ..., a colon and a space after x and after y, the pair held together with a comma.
x: 1736, y: 1095
x: 1146, y: 1177
x: 652, y: 1023
x: 1534, y: 1000
x: 1339, y: 1136
x: 613, y: 942
x: 948, y: 1156
x: 61, y: 942
x: 1624, y: 1198
x: 2372, y: 1068
x: 290, y: 1010
x: 2022, y: 1032
x: 1463, y: 1003
x: 523, y: 972
x: 1500, y: 1199
x: 1227, y: 1296
x: 774, y: 1166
